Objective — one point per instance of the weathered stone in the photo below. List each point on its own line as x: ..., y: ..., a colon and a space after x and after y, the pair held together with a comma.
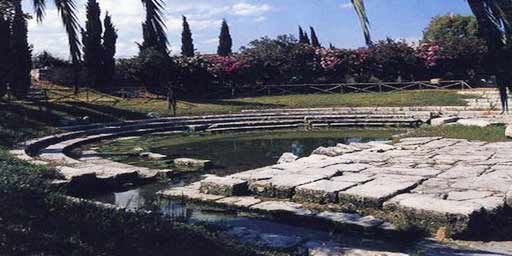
x: 350, y: 219
x: 508, y: 131
x: 265, y: 240
x: 189, y: 194
x: 353, y: 178
x: 188, y: 164
x: 321, y: 192
x: 224, y: 186
x: 509, y: 197
x: 468, y: 195
x: 282, y: 207
x: 282, y: 186
x: 462, y: 171
x: 239, y: 201
x: 433, y: 213
x: 497, y: 181
x: 375, y: 192
x: 474, y: 122
x: 443, y: 120
x: 151, y: 155
x: 424, y: 172
x: 317, y: 248
x: 287, y: 158
x: 339, y: 150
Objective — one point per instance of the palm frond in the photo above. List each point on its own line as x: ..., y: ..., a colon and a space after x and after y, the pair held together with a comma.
x: 155, y: 19
x: 495, y: 21
x: 67, y: 13
x: 40, y: 9
x: 363, y: 18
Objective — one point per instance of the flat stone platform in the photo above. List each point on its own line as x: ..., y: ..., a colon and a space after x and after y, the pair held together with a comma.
x: 459, y: 187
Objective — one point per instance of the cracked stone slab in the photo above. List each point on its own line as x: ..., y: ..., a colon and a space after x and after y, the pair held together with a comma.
x: 321, y: 192
x: 350, y: 219
x: 317, y: 248
x: 375, y: 192
x: 424, y: 172
x: 189, y: 193
x: 282, y: 186
x: 239, y: 201
x: 415, y: 207
x: 462, y: 171
x: 353, y: 178
x: 224, y: 186
x: 277, y: 207
x: 468, y: 195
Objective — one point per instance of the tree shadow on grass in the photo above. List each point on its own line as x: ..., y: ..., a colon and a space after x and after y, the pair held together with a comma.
x: 236, y: 103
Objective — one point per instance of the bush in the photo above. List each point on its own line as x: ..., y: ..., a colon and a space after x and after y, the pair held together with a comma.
x: 284, y: 61
x: 36, y: 221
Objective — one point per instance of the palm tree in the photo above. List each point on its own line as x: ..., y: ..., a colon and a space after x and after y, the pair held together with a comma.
x: 67, y: 12
x: 495, y: 24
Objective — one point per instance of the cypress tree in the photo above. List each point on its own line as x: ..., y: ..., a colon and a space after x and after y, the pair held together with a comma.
x: 314, y: 39
x: 306, y: 39
x: 21, y: 57
x: 109, y: 50
x: 5, y: 37
x: 187, y: 43
x: 91, y: 38
x: 225, y: 41
x: 302, y: 38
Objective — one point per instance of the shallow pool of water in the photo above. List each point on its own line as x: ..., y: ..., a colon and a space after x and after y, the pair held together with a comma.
x: 231, y: 153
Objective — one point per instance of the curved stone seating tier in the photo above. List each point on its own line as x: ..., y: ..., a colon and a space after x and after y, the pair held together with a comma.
x: 361, y: 177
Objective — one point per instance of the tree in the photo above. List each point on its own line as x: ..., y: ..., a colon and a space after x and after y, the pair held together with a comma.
x: 187, y: 43
x: 46, y: 59
x: 314, y: 39
x: 21, y: 57
x: 448, y: 28
x: 5, y: 36
x: 153, y: 28
x: 225, y: 41
x: 109, y: 50
x: 495, y: 27
x: 306, y: 39
x: 302, y: 38
x: 91, y: 39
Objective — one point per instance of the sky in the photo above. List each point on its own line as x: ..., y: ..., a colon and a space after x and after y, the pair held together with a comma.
x: 334, y: 21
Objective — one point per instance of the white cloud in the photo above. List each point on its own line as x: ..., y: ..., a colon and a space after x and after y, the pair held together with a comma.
x: 245, y: 9
x: 347, y: 5
x: 260, y: 19
x: 204, y: 17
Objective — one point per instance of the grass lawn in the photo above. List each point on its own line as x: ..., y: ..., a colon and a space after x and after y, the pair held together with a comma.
x: 488, y: 134
x: 397, y: 99
x: 216, y: 106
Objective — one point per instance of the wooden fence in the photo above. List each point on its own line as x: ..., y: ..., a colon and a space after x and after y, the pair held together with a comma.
x: 116, y: 94
x: 344, y: 88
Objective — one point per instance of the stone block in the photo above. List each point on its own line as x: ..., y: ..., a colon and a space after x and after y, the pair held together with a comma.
x: 188, y: 164
x: 224, y: 186
x: 444, y: 120
x: 508, y: 131
x: 321, y: 192
x: 189, y: 194
x: 474, y: 122
x: 375, y: 192
x: 353, y: 178
x: 282, y: 207
x: 287, y: 158
x: 239, y: 201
